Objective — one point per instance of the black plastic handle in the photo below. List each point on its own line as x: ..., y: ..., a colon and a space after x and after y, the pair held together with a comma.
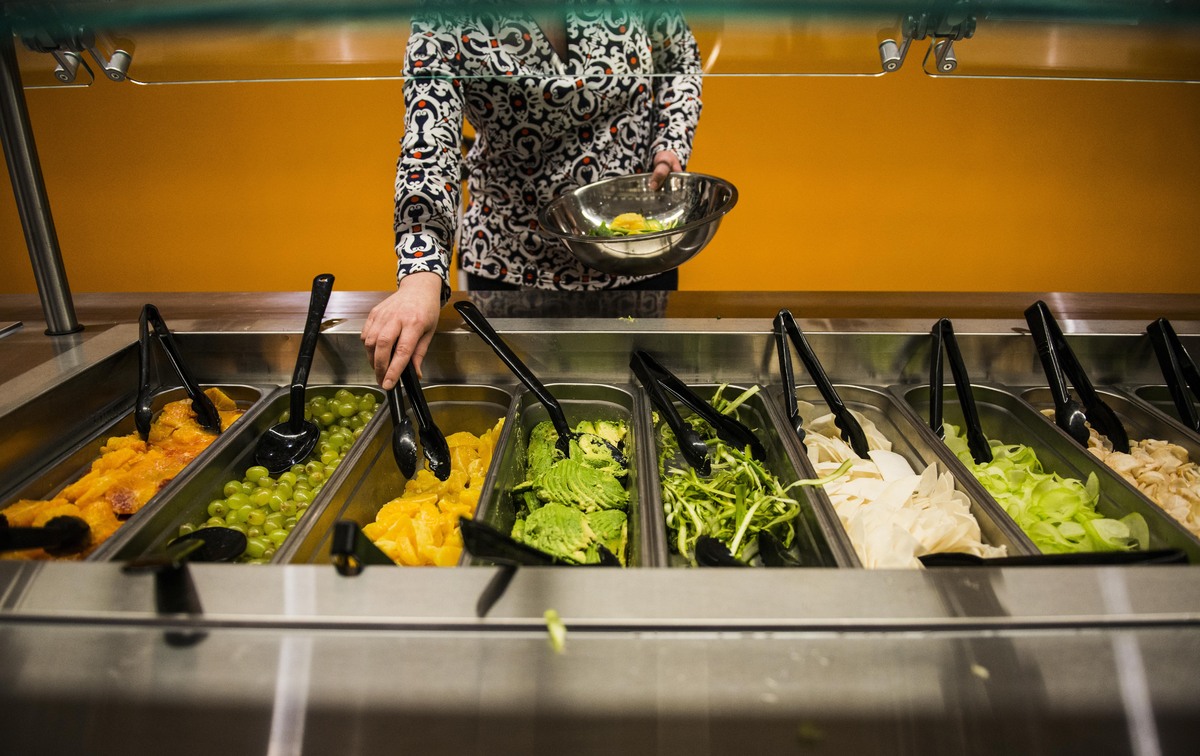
x: 433, y: 441
x: 732, y: 431
x: 1178, y: 369
x: 712, y: 553
x: 852, y: 431
x: 1100, y: 415
x: 480, y: 325
x: 350, y: 551
x: 485, y: 542
x: 691, y: 446
x: 60, y: 535
x: 1084, y: 559
x: 151, y: 322
x: 945, y: 343
x: 1039, y: 328
x: 790, y: 405
x: 322, y: 287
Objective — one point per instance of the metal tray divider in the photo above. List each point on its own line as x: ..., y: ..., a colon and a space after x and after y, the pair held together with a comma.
x: 486, y: 496
x: 129, y: 529
x: 1022, y: 545
x: 306, y: 524
x: 653, y: 517
x: 827, y: 517
x: 1118, y: 500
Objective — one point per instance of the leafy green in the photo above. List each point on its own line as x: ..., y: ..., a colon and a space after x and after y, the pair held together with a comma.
x: 738, y: 499
x: 1058, y: 514
x: 652, y: 226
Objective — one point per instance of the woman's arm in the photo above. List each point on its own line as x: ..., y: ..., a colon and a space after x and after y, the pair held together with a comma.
x: 676, y: 97
x: 427, y: 191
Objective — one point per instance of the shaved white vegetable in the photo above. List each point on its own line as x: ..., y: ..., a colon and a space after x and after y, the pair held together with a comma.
x: 892, y: 514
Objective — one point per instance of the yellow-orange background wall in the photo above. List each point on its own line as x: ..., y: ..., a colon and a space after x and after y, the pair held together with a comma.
x: 900, y: 182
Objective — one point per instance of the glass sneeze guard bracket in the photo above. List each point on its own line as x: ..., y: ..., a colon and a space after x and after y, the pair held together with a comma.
x: 68, y: 46
x: 943, y: 26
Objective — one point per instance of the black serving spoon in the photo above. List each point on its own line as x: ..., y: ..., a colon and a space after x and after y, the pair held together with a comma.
x: 773, y: 553
x: 215, y: 544
x: 657, y: 378
x: 480, y: 325
x: 60, y: 536
x: 289, y: 442
x: 785, y: 328
x: 944, y: 343
x: 1085, y: 559
x: 433, y: 442
x: 1178, y: 369
x: 151, y: 323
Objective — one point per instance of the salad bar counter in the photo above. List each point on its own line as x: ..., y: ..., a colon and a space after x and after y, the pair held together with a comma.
x: 923, y: 568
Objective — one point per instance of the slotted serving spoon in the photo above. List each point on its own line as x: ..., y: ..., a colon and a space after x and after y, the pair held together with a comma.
x: 289, y: 442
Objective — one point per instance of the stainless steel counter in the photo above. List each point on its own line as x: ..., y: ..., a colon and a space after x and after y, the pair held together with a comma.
x: 296, y: 658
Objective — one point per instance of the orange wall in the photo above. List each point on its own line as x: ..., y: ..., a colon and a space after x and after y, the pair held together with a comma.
x: 894, y: 183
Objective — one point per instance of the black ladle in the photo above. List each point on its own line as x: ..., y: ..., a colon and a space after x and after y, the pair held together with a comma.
x: 433, y: 442
x: 289, y: 442
x: 1085, y: 559
x: 852, y: 432
x: 404, y: 439
x: 712, y: 553
x: 216, y: 544
x: 945, y: 343
x: 480, y: 325
x: 151, y: 323
x: 1178, y: 369
x: 657, y: 378
x: 1058, y: 359
x: 60, y: 536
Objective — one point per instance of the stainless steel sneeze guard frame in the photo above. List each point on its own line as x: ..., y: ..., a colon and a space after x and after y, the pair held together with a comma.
x: 657, y: 660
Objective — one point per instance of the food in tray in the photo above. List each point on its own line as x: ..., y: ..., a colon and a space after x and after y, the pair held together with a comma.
x: 630, y: 224
x: 267, y: 509
x: 1159, y: 469
x: 420, y: 527
x: 569, y: 506
x: 892, y: 514
x: 127, y: 474
x: 1058, y: 514
x: 738, y: 499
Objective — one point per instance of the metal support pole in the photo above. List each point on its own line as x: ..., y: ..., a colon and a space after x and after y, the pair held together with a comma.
x: 30, y: 191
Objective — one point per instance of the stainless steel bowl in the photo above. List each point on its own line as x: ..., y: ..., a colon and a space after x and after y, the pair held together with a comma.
x: 692, y: 203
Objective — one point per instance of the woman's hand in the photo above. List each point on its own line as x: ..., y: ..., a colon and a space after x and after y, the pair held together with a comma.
x: 665, y: 162
x: 400, y: 327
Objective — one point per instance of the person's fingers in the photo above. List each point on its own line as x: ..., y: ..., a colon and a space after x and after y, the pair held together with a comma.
x: 420, y: 350
x: 405, y: 346
x: 659, y: 175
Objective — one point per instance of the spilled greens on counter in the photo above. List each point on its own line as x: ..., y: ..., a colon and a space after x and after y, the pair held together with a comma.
x: 1058, y: 514
x: 737, y: 500
x: 569, y: 506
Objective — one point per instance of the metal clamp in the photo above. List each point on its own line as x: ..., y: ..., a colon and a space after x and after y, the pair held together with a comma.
x: 944, y: 26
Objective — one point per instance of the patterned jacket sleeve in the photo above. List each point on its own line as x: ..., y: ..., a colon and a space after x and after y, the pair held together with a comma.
x: 428, y: 183
x: 676, y: 97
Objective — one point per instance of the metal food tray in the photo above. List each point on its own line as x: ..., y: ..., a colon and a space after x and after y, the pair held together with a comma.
x: 1159, y: 398
x: 911, y: 440
x: 374, y: 479
x: 579, y: 401
x: 819, y: 537
x: 1140, y: 422
x: 75, y: 460
x: 1007, y: 418
x: 203, y: 483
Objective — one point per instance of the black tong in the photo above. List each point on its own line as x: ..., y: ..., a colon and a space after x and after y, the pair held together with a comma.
x: 658, y: 382
x: 206, y: 412
x: 852, y: 432
x: 1178, y: 369
x: 944, y: 343
x: 1059, y: 360
x: 60, y: 536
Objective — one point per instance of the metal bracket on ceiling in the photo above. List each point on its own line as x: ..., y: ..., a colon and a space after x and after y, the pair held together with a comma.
x: 945, y: 27
x: 68, y: 46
